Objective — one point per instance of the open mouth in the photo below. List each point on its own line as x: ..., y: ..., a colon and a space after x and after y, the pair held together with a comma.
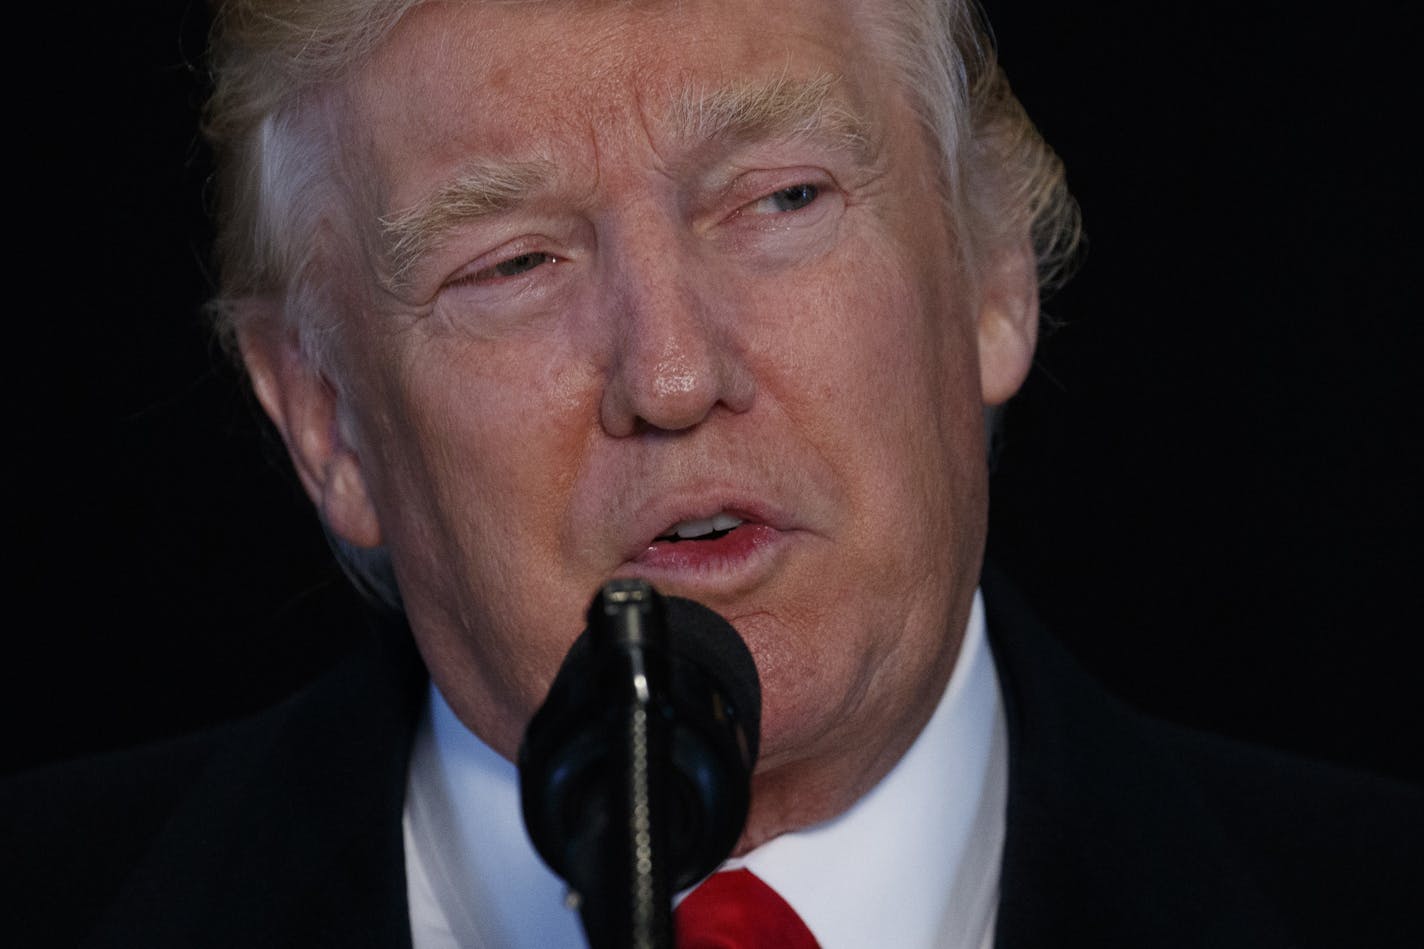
x: 729, y: 549
x: 706, y: 528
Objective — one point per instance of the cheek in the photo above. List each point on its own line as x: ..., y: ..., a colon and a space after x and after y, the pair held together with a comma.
x: 476, y: 445
x: 875, y: 353
x: 476, y: 450
x: 878, y: 369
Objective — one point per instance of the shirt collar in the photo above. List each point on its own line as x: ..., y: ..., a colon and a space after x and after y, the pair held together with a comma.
x: 928, y: 836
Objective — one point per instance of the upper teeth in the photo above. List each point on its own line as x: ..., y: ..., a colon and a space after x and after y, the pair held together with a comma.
x: 706, y: 525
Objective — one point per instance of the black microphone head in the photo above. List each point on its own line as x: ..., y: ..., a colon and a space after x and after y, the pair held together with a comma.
x: 700, y: 636
x: 700, y: 682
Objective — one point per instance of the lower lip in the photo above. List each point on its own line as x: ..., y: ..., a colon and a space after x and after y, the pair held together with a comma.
x: 732, y: 553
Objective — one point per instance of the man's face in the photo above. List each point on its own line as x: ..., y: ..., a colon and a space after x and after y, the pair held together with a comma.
x: 667, y: 269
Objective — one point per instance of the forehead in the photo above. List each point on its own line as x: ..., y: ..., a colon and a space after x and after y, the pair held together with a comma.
x: 549, y: 80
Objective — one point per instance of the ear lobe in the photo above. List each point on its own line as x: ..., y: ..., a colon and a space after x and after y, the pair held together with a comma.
x: 1008, y: 321
x: 305, y: 407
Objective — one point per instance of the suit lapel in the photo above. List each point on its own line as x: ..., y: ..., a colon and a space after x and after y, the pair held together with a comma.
x: 1107, y: 843
x: 293, y: 834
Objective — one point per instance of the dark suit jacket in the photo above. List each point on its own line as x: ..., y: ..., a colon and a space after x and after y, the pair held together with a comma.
x: 285, y: 830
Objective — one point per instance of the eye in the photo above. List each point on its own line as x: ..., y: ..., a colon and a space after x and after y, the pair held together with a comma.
x: 507, y: 269
x: 513, y: 267
x: 793, y: 198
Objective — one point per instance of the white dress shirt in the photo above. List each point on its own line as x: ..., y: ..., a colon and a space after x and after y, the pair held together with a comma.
x: 914, y: 863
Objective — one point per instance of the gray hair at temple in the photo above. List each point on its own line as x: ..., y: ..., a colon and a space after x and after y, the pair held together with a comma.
x: 282, y: 187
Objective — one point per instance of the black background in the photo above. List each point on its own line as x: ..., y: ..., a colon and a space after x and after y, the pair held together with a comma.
x: 1210, y: 485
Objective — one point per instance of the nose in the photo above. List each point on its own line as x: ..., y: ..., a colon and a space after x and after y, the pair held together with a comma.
x: 677, y: 357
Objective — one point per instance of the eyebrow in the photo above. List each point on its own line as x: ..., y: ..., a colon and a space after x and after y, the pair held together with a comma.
x: 480, y: 190
x: 782, y: 108
x: 779, y: 108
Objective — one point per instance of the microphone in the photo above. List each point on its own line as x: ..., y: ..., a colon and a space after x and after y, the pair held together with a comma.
x: 635, y: 773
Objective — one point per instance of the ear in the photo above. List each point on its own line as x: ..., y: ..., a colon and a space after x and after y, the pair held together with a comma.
x: 306, y: 409
x: 1008, y: 321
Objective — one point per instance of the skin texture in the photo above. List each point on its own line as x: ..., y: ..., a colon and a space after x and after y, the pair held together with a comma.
x: 663, y: 327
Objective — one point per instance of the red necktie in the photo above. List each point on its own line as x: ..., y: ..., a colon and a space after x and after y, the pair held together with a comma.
x: 734, y: 909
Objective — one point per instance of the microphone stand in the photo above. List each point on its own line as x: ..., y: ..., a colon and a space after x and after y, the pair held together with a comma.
x: 634, y: 640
